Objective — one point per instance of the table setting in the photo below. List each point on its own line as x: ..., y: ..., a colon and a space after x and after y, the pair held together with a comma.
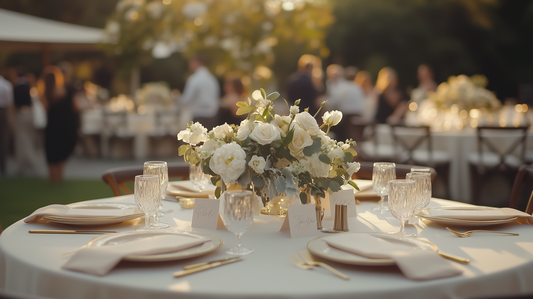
x: 396, y: 241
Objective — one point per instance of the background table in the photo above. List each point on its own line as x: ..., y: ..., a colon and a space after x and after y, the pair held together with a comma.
x: 500, y: 265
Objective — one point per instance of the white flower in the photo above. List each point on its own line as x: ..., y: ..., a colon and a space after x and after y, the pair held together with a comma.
x: 294, y: 110
x: 223, y: 131
x: 229, y: 161
x: 265, y: 133
x: 195, y: 134
x: 296, y: 168
x: 245, y: 129
x: 258, y: 164
x: 332, y: 118
x: 300, y: 140
x: 336, y: 153
x: 353, y: 167
x: 316, y: 167
x: 307, y: 122
x: 208, y: 148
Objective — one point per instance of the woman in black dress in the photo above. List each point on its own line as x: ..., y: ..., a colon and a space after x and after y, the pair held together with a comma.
x: 391, y: 102
x: 61, y: 132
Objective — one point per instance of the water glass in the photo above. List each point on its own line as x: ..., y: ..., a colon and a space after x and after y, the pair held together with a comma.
x: 159, y: 168
x: 421, y: 169
x: 382, y: 174
x: 422, y: 188
x: 198, y: 178
x: 238, y: 216
x: 402, y: 203
x: 146, y: 193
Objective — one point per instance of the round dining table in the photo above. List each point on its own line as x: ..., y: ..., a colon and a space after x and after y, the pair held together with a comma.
x: 500, y: 265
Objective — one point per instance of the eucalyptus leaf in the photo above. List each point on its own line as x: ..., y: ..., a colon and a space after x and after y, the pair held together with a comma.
x: 244, y: 110
x: 263, y: 93
x: 324, y: 158
x: 334, y: 186
x: 348, y: 157
x: 214, y: 180
x: 288, y: 138
x: 241, y: 104
x: 352, y: 151
x: 258, y: 181
x: 276, y: 143
x: 303, y: 198
x: 314, y: 148
x: 244, y: 180
x: 183, y: 149
x: 281, y: 185
x: 273, y: 96
x: 217, y: 192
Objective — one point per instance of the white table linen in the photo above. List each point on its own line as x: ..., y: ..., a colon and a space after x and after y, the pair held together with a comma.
x: 500, y: 265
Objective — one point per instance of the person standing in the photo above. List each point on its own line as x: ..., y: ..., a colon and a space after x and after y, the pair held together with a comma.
x: 24, y: 129
x: 6, y: 100
x: 301, y: 86
x: 391, y: 103
x: 201, y: 93
x: 61, y: 132
x: 426, y: 84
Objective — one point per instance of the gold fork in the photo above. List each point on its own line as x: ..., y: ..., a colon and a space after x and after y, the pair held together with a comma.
x: 300, y: 264
x: 309, y: 260
x: 468, y: 233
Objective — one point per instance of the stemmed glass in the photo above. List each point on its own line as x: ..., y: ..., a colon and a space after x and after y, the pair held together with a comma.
x: 382, y: 174
x: 422, y: 192
x: 402, y: 203
x: 238, y: 217
x: 198, y: 178
x: 159, y: 168
x: 146, y: 192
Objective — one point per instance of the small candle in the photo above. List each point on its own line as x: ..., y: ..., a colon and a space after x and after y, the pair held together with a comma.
x: 187, y: 203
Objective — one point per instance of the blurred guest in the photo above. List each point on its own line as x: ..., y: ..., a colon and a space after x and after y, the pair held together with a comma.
x: 391, y: 102
x: 350, y: 72
x: 201, y: 93
x: 6, y: 100
x: 301, y: 86
x: 61, y: 130
x: 343, y: 95
x: 24, y: 130
x: 233, y: 93
x: 425, y: 84
x: 364, y: 80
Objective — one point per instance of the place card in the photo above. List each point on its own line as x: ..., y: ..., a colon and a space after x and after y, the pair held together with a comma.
x: 343, y: 197
x: 300, y: 221
x: 205, y: 213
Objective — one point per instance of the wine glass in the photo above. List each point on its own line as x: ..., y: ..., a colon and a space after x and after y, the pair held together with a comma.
x: 159, y: 168
x: 198, y: 178
x: 238, y: 216
x: 402, y: 203
x: 146, y: 193
x: 422, y: 188
x: 382, y: 174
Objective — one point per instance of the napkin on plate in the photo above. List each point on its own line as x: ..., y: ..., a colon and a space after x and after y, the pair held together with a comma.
x: 66, y: 211
x: 415, y: 264
x: 100, y: 260
x: 475, y: 213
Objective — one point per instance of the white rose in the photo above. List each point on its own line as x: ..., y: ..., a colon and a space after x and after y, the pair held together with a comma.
x: 332, y: 118
x: 195, y: 134
x: 336, y: 153
x: 353, y: 167
x: 245, y: 128
x: 223, y: 131
x: 300, y: 140
x: 265, y: 133
x: 307, y: 122
x: 229, y: 161
x: 294, y: 110
x: 316, y: 167
x: 258, y: 164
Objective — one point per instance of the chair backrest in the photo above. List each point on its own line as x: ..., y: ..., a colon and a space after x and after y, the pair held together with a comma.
x: 407, y: 139
x: 489, y: 140
x: 402, y: 170
x: 117, y: 177
x: 360, y: 131
x: 522, y: 188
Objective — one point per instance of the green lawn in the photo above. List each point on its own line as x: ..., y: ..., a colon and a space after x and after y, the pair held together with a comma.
x: 21, y: 196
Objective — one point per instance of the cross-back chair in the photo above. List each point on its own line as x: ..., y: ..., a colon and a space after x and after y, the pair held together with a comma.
x: 522, y: 189
x: 117, y: 177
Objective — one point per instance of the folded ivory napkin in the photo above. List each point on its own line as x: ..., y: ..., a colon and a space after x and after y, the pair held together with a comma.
x: 415, y: 264
x: 66, y: 211
x: 476, y: 213
x: 100, y: 260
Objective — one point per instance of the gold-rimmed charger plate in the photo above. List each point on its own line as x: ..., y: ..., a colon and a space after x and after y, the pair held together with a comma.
x: 319, y: 248
x: 424, y: 214
x: 92, y: 221
x: 129, y: 236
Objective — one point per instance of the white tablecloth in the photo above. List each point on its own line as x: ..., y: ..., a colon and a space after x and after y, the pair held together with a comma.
x: 500, y: 265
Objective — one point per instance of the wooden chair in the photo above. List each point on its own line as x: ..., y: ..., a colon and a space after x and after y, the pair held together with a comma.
x: 371, y: 144
x: 495, y: 156
x: 365, y: 173
x: 522, y: 188
x: 117, y: 177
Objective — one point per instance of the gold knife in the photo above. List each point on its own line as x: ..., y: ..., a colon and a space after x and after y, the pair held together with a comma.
x: 205, y: 267
x: 453, y: 257
x: 192, y: 266
x: 71, y: 232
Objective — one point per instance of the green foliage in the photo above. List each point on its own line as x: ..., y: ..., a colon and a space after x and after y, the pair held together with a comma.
x: 313, y: 148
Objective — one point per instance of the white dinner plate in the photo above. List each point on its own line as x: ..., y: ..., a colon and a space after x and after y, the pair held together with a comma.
x: 318, y: 247
x: 97, y: 220
x: 129, y: 236
x: 425, y: 214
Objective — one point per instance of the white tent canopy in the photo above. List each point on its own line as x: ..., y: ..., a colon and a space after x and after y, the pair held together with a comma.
x: 17, y: 27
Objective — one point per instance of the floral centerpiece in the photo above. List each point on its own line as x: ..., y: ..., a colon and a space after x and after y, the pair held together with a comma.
x: 278, y: 155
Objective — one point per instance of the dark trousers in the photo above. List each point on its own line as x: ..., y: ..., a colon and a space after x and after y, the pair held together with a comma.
x: 3, y: 139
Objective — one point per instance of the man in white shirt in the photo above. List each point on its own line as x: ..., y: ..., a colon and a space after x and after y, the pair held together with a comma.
x: 201, y: 93
x: 6, y: 100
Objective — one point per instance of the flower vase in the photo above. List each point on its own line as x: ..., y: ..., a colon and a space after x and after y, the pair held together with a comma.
x: 277, y: 206
x: 318, y: 209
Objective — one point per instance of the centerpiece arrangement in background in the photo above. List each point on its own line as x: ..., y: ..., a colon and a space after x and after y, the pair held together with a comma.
x: 275, y: 156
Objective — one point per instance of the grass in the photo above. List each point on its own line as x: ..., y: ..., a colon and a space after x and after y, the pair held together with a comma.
x: 19, y: 197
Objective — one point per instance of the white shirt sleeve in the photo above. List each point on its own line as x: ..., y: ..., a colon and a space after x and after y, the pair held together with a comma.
x: 189, y: 91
